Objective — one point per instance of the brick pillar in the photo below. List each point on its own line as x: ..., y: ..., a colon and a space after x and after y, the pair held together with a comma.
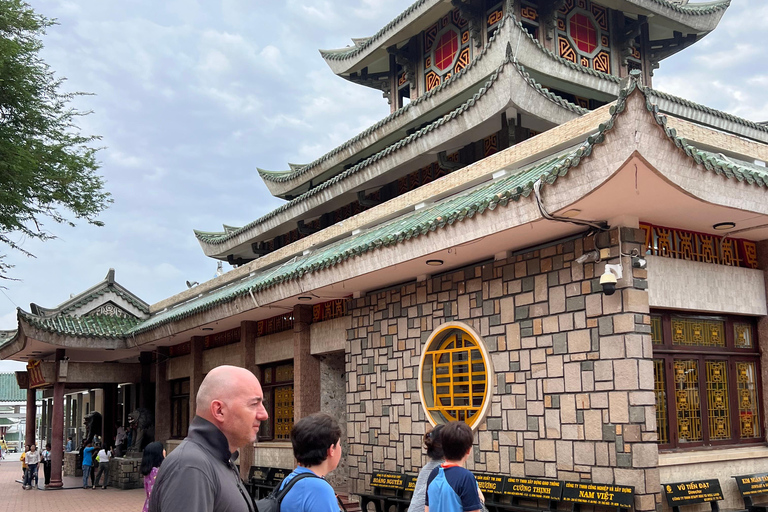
x: 248, y: 347
x: 31, y: 417
x: 57, y: 428
x: 162, y: 396
x: 623, y: 370
x: 196, y: 372
x: 306, y: 367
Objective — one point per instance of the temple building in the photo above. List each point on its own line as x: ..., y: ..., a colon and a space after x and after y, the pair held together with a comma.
x: 535, y: 241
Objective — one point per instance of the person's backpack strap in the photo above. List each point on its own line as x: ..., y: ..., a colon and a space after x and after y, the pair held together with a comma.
x: 281, y: 494
x: 272, y: 502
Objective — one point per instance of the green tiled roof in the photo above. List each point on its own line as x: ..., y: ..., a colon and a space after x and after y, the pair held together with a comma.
x: 763, y: 127
x: 219, y: 238
x: 92, y: 326
x: 10, y: 391
x: 453, y: 209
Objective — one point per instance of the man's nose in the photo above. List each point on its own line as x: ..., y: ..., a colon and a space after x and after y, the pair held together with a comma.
x: 261, y: 414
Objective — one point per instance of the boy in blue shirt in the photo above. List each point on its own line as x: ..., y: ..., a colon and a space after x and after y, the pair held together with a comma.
x: 316, y: 441
x: 451, y: 487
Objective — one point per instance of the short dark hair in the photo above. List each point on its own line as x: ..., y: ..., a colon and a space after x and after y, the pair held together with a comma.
x: 434, y: 444
x: 457, y: 438
x: 312, y: 436
x: 151, y: 458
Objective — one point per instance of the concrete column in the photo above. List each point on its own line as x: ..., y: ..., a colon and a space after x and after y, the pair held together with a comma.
x: 196, y: 372
x: 78, y: 421
x: 162, y: 396
x: 44, y: 422
x: 306, y: 367
x: 68, y: 416
x: 49, y: 425
x: 109, y: 414
x: 248, y: 347
x: 31, y: 417
x: 57, y: 431
x: 145, y: 398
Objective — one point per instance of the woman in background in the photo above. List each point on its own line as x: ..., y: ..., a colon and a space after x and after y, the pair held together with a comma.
x: 435, y: 453
x: 150, y: 463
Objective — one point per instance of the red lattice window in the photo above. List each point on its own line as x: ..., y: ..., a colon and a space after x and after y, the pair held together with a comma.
x: 446, y: 50
x: 583, y: 33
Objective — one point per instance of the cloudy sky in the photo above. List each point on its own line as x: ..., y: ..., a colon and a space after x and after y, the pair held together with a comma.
x: 190, y: 97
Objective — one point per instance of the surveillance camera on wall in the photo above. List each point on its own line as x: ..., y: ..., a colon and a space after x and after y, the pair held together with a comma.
x: 609, y: 278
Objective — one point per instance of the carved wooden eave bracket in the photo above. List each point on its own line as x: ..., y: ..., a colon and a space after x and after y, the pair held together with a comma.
x: 626, y: 38
x: 474, y: 15
x: 548, y: 15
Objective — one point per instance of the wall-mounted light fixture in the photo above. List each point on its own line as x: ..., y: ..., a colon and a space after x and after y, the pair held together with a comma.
x: 305, y: 297
x: 434, y: 263
x: 724, y: 226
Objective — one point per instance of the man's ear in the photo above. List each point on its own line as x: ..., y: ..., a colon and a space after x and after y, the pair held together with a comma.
x: 218, y: 410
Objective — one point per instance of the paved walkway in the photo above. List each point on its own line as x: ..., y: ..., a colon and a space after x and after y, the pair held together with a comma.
x: 16, y: 499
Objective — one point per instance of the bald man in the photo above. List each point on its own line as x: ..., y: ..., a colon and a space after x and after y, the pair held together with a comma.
x: 199, y: 475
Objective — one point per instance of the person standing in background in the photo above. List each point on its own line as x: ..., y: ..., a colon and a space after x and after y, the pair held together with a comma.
x: 153, y: 456
x: 32, y: 459
x: 103, y: 458
x: 47, y: 464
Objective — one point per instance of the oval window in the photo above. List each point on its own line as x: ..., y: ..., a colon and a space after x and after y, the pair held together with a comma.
x: 455, y: 377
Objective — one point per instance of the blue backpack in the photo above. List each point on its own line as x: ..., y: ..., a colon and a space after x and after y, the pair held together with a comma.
x: 442, y: 497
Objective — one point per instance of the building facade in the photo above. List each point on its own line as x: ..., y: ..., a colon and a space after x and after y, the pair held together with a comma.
x: 535, y: 242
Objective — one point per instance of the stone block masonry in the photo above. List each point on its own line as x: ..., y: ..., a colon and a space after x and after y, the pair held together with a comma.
x: 573, y: 375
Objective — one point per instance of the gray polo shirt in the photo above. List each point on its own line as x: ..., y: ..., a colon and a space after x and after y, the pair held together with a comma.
x: 199, y: 475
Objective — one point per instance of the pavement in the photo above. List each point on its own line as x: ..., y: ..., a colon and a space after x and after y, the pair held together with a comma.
x: 71, y: 499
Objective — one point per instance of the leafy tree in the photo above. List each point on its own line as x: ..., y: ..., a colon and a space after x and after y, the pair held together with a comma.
x: 47, y: 167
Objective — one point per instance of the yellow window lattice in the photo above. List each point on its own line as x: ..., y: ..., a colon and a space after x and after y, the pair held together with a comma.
x: 698, y: 332
x: 687, y: 401
x: 749, y: 420
x: 454, y: 378
x: 656, y: 331
x: 742, y: 335
x: 660, y: 389
x: 283, y: 411
x: 717, y: 400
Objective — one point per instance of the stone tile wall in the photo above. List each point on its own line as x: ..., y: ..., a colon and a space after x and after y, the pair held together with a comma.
x: 573, y: 396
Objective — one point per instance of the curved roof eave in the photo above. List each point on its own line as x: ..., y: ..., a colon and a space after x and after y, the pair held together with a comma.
x: 485, y: 197
x: 345, y: 60
x: 701, y: 17
x: 521, y: 89
x: 531, y: 55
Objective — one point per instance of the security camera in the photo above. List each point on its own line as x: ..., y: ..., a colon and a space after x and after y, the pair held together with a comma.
x: 639, y: 262
x: 609, y: 278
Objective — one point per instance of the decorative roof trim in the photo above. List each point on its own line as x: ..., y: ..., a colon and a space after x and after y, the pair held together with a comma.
x: 362, y: 44
x: 219, y: 238
x: 92, y: 326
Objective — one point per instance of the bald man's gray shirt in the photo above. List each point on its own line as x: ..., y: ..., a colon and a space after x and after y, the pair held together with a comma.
x: 199, y: 476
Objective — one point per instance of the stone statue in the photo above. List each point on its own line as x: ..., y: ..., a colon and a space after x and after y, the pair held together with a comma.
x: 92, y: 424
x: 142, y: 421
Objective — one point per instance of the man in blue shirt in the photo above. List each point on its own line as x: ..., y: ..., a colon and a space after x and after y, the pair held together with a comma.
x: 87, y: 463
x: 316, y: 441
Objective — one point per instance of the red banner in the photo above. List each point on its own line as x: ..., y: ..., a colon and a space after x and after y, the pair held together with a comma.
x: 35, y: 372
